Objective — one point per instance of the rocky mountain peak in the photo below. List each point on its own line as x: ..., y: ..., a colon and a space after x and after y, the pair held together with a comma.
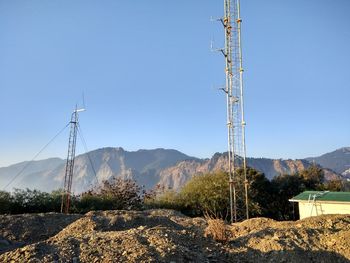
x: 166, y: 167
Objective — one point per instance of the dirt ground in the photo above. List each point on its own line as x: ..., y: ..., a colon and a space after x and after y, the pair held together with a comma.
x: 169, y: 236
x: 19, y: 230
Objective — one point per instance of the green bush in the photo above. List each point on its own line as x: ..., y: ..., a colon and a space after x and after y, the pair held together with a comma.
x: 124, y: 193
x: 113, y: 194
x: 88, y: 202
x: 167, y: 199
x: 209, y: 194
x: 5, y: 202
x: 206, y: 194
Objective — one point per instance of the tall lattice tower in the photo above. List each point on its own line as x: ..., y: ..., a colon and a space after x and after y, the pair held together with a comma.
x: 66, y: 194
x: 232, y: 52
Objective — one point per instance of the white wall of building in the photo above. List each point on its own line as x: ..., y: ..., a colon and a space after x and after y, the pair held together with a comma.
x: 307, y: 209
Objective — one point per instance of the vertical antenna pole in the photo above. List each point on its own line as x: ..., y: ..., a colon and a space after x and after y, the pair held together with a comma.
x: 226, y: 21
x: 241, y: 70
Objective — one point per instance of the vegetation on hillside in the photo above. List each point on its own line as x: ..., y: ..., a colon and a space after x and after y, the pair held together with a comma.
x: 114, y: 194
x: 206, y: 194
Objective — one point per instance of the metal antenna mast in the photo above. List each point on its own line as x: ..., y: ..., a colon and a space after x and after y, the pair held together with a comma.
x: 235, y: 107
x: 66, y: 194
x: 243, y: 123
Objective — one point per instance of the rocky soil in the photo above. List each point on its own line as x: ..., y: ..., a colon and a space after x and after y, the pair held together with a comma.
x: 19, y: 230
x: 169, y: 236
x: 315, y: 239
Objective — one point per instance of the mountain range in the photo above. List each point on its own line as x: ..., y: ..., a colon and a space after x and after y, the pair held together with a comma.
x: 169, y: 168
x: 338, y: 161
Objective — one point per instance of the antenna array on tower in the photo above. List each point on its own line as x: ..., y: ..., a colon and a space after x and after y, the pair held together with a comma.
x: 232, y: 52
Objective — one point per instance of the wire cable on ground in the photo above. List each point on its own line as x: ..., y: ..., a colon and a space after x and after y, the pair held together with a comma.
x: 35, y: 156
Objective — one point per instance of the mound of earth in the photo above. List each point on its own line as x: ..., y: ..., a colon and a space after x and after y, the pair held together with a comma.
x: 20, y: 230
x: 169, y: 236
x: 315, y: 239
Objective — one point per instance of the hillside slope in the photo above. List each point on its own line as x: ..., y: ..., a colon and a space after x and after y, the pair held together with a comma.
x: 338, y: 161
x: 31, y: 174
x: 143, y: 166
x: 166, y: 167
x: 175, y: 176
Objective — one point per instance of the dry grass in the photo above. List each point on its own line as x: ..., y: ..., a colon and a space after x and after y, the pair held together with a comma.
x: 217, y: 229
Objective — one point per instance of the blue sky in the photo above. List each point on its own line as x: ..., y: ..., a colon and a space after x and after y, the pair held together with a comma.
x: 147, y: 73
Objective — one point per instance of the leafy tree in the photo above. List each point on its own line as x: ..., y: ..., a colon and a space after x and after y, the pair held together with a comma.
x: 259, y: 193
x: 19, y: 200
x: 285, y: 187
x: 55, y: 200
x: 30, y: 201
x: 168, y: 199
x: 313, y: 177
x: 207, y: 194
x: 334, y: 185
x: 126, y: 193
x: 210, y: 193
x: 346, y: 185
x: 88, y: 201
x: 37, y: 201
x: 116, y: 193
x: 5, y: 202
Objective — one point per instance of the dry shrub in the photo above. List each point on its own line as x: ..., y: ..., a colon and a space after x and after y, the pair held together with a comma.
x: 217, y: 229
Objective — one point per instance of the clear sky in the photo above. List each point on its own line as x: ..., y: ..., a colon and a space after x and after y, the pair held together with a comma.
x: 148, y: 75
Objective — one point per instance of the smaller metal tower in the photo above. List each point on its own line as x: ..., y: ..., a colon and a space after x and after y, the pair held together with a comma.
x: 68, y: 177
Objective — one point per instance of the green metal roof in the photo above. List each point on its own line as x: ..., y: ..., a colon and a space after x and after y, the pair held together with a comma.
x: 322, y: 196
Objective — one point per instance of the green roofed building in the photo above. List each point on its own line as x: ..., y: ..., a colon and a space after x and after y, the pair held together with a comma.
x: 314, y: 203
